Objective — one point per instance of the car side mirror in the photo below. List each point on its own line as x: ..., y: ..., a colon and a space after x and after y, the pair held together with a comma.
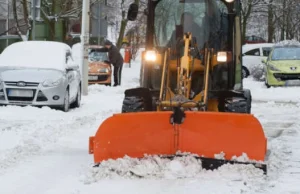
x: 264, y: 61
x: 132, y: 12
x: 68, y: 69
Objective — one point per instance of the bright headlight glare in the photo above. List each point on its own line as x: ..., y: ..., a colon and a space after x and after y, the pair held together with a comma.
x: 51, y: 83
x: 222, y: 57
x: 150, y: 56
x: 229, y: 1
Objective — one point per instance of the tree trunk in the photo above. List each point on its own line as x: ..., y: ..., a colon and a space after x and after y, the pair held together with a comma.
x: 270, y: 22
x: 283, y: 21
x: 14, y: 4
x: 25, y: 15
x: 52, y: 22
x: 246, y: 15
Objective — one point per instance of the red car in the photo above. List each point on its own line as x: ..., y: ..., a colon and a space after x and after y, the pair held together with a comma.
x: 254, y: 40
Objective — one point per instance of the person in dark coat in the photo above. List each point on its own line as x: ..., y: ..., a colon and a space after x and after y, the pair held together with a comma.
x: 115, y: 58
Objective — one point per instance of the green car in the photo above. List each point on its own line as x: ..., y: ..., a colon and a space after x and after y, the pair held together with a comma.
x: 282, y: 67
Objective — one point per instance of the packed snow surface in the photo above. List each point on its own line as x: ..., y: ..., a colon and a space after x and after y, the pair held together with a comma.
x: 272, y: 95
x: 46, y: 151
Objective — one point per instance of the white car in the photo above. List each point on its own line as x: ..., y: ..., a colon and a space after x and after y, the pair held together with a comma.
x: 39, y: 73
x: 252, y: 56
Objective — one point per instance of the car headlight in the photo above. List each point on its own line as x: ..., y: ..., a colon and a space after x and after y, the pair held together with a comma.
x: 103, y: 70
x: 51, y: 83
x: 273, y: 68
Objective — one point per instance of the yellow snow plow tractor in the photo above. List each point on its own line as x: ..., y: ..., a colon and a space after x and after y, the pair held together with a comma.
x: 191, y: 97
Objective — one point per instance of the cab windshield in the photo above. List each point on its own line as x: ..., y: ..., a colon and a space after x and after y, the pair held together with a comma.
x: 205, y: 19
x: 97, y: 56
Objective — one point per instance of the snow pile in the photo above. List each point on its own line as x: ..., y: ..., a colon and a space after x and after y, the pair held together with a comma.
x: 155, y: 167
x: 148, y: 167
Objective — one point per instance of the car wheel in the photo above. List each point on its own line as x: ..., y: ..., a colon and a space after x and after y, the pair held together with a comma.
x: 245, y: 72
x: 266, y: 81
x: 66, y: 105
x: 77, y: 102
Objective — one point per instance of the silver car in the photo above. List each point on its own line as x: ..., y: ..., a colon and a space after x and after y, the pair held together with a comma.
x: 39, y: 73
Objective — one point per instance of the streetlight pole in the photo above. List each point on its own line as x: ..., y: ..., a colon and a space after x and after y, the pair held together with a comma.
x: 85, y: 34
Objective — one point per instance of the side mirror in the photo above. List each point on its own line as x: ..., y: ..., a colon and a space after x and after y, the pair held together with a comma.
x: 132, y: 11
x: 264, y: 61
x: 68, y: 69
x: 72, y: 68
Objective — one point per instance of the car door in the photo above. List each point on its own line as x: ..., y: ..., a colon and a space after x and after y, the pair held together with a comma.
x: 265, y: 54
x: 252, y: 58
x: 71, y: 75
x: 77, y: 73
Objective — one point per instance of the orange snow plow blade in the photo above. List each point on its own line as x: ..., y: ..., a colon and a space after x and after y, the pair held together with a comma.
x: 201, y: 133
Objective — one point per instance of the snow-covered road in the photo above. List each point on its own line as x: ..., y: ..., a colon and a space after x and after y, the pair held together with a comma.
x: 46, y: 151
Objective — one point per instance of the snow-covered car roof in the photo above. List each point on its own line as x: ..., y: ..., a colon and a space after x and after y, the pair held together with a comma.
x: 248, y: 47
x: 35, y: 54
x: 288, y: 43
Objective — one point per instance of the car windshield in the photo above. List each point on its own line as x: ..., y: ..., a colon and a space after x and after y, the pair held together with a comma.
x: 96, y: 56
x: 286, y: 53
x: 205, y: 19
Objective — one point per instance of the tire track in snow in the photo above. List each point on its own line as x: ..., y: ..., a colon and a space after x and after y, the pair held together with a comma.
x: 39, y: 134
x: 281, y: 126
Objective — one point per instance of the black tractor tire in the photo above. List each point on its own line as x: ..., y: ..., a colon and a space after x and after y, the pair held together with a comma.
x: 137, y: 100
x: 239, y: 104
x: 133, y: 104
x: 247, y: 94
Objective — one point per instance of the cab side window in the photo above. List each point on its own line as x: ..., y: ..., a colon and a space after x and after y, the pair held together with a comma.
x: 253, y: 52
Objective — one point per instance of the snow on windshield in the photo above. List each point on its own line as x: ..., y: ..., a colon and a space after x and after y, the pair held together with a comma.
x: 95, y: 55
x: 35, y: 54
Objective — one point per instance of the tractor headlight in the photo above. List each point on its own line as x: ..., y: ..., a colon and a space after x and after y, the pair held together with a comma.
x: 150, y: 56
x: 222, y: 57
x: 273, y: 68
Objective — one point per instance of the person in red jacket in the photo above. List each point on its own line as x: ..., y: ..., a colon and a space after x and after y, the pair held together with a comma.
x: 115, y: 58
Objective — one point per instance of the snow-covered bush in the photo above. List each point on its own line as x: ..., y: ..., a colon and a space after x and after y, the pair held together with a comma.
x: 257, y: 72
